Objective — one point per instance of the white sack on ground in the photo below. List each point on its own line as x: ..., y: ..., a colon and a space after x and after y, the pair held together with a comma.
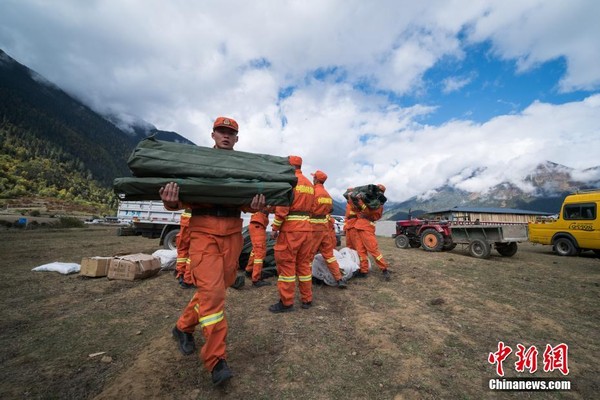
x: 347, y: 259
x: 63, y: 268
x: 168, y: 258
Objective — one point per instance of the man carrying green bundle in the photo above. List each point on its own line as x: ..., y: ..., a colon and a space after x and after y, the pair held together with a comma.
x: 215, y: 245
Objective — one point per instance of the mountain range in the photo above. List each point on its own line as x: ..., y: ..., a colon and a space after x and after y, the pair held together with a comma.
x: 53, y: 145
x: 543, y: 189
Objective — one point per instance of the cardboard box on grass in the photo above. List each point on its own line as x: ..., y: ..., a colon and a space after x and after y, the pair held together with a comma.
x: 133, y: 266
x: 94, y: 266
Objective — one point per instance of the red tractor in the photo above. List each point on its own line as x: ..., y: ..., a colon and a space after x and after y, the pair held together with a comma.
x: 432, y: 235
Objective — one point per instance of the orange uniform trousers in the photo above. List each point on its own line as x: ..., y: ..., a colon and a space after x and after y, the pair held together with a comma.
x: 293, y: 255
x: 183, y: 256
x: 214, y: 263
x: 258, y: 237
x: 324, y: 243
x: 351, y: 238
x: 366, y: 243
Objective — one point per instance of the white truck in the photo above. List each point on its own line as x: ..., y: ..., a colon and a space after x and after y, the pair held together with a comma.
x: 149, y: 219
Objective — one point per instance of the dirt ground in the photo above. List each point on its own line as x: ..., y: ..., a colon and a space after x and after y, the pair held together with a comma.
x: 426, y: 334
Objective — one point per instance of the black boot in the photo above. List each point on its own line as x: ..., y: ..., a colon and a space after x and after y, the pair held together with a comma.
x: 342, y: 284
x: 306, y: 304
x: 359, y: 274
x: 239, y: 282
x: 186, y: 341
x: 221, y: 373
x: 386, y: 275
x: 261, y: 283
x: 279, y: 308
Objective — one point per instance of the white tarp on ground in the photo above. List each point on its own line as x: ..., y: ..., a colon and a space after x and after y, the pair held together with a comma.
x: 168, y: 258
x: 61, y: 267
x: 348, y: 260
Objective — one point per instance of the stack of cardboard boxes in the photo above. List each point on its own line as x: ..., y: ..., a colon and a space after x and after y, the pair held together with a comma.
x: 128, y: 267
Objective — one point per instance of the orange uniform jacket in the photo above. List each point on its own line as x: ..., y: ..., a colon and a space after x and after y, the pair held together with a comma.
x: 294, y: 245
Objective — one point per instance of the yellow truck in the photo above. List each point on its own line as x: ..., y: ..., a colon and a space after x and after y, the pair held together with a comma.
x: 577, y: 227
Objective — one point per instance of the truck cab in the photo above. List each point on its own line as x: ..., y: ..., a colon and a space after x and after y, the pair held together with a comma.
x: 577, y: 227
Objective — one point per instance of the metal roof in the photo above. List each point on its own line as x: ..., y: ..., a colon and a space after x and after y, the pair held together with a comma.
x: 490, y: 210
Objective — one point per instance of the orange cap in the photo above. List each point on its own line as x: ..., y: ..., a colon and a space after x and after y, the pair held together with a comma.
x: 320, y: 176
x: 380, y: 186
x: 296, y: 161
x: 225, y: 122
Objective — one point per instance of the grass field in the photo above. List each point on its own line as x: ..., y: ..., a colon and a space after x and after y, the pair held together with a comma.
x: 426, y: 334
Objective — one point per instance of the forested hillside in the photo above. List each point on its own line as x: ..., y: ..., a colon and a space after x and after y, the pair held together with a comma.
x: 30, y: 167
x: 53, y: 146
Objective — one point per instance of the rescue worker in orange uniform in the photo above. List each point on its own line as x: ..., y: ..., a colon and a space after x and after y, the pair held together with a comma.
x: 183, y: 246
x: 215, y: 245
x: 321, y: 223
x: 293, y: 231
x: 258, y: 236
x: 366, y: 241
x: 349, y: 222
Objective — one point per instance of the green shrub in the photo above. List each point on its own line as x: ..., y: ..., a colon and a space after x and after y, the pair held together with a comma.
x: 34, y: 213
x: 68, y: 222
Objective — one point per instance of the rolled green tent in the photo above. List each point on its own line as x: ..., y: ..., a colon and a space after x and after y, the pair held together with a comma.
x: 372, y: 195
x: 233, y: 192
x: 157, y: 158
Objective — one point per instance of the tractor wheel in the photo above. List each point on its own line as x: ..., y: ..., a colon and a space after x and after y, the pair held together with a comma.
x: 564, y: 247
x: 432, y: 240
x: 402, y: 242
x: 479, y: 248
x: 507, y: 249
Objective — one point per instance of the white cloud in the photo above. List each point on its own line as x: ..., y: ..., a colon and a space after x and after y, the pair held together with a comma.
x: 454, y: 83
x: 179, y: 65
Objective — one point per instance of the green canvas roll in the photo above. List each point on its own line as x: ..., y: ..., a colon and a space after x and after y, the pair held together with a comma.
x: 236, y: 192
x: 157, y: 158
x: 373, y: 197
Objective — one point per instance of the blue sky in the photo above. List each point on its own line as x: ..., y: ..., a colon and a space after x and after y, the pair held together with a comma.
x: 414, y: 95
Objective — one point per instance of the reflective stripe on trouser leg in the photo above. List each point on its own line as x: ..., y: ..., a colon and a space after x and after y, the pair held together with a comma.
x: 214, y: 262
x: 257, y: 270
